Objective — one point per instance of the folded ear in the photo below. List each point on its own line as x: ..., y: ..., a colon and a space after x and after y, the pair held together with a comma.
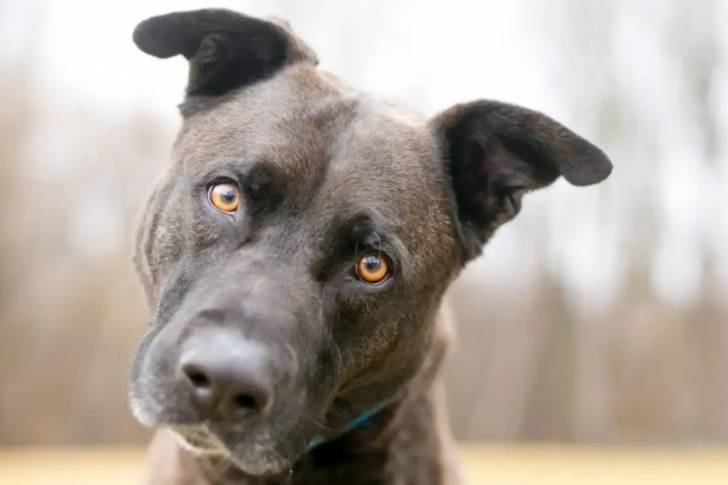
x: 496, y: 152
x: 226, y: 49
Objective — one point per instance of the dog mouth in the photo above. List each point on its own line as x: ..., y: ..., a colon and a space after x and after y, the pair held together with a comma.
x: 253, y: 459
x: 199, y: 441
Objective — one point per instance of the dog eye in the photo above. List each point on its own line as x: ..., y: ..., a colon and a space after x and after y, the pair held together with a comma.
x: 224, y: 196
x: 372, y: 268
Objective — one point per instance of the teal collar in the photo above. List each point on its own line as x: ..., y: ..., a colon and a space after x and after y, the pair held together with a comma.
x: 351, y: 426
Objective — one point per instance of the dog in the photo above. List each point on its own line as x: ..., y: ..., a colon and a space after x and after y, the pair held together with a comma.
x: 295, y: 257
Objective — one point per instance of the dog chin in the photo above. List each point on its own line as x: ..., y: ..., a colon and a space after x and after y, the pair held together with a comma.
x: 254, y: 460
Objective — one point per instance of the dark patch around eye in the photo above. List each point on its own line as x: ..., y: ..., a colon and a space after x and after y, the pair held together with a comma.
x: 264, y: 186
x: 347, y: 242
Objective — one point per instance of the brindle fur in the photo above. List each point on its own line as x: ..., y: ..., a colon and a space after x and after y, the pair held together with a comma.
x: 324, y: 167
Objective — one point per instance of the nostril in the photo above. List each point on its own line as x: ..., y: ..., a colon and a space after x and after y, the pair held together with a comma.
x: 246, y: 402
x: 199, y: 380
x: 197, y: 377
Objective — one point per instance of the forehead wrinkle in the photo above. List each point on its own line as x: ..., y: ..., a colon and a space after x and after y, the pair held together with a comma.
x: 302, y: 145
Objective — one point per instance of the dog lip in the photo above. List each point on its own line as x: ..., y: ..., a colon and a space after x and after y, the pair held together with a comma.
x: 253, y: 457
x: 201, y: 441
x: 198, y: 440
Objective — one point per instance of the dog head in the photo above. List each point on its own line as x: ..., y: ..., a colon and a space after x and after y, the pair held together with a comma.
x: 296, y: 252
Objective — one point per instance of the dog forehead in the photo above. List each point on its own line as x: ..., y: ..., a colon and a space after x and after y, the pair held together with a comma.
x: 345, y: 151
x: 384, y: 159
x: 307, y: 123
x: 285, y: 120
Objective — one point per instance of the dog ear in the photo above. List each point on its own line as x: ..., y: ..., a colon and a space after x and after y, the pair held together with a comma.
x: 496, y: 152
x: 225, y: 49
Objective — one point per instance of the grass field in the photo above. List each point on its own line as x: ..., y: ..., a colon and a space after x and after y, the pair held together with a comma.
x: 486, y: 465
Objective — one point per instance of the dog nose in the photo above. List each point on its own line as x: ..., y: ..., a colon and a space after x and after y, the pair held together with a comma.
x: 227, y: 375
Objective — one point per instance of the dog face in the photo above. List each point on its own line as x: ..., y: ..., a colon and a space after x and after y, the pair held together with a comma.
x: 297, y: 250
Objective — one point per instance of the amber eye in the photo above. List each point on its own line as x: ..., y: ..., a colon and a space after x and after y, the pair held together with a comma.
x: 372, y: 268
x: 224, y: 196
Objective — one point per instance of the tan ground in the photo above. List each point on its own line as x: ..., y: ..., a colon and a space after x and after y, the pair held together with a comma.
x: 501, y: 465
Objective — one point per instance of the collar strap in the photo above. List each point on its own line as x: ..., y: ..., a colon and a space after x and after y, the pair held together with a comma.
x: 355, y: 423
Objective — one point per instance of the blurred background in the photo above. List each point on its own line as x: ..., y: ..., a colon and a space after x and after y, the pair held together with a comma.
x: 599, y: 316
